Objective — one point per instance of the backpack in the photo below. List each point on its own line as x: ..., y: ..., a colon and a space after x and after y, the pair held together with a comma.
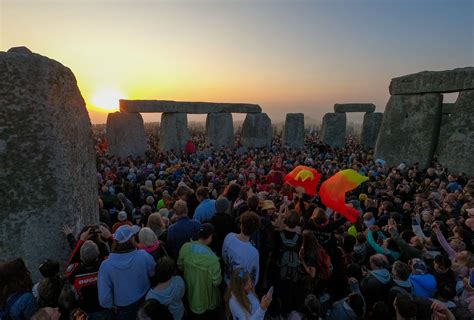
x: 289, y: 259
x: 5, y: 309
x: 324, y: 264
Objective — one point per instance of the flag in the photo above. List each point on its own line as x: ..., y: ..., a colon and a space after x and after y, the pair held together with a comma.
x: 305, y: 177
x: 333, y: 192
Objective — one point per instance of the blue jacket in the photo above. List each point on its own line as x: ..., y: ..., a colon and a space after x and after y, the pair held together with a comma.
x: 424, y: 284
x: 24, y: 307
x: 171, y: 296
x: 182, y: 231
x: 124, y: 278
x: 205, y: 210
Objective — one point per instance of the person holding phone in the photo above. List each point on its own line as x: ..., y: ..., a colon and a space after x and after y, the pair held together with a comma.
x: 242, y: 301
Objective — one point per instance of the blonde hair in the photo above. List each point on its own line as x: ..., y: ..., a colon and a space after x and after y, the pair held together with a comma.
x: 236, y: 289
x: 147, y: 237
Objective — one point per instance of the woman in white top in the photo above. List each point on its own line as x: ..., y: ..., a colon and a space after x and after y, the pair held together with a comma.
x: 242, y: 301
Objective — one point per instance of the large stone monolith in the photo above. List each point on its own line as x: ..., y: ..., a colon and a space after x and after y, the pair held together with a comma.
x: 126, y: 134
x: 293, y: 133
x: 456, y: 149
x: 219, y: 130
x: 410, y: 129
x: 47, y: 160
x: 333, y: 129
x: 256, y: 131
x: 174, y: 132
x: 370, y: 129
x: 448, y: 108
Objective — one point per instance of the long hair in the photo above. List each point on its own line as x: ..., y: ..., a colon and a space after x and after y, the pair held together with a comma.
x: 236, y: 288
x: 14, y: 277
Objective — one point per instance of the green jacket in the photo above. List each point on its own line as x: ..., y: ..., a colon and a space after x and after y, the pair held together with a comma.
x: 202, y: 274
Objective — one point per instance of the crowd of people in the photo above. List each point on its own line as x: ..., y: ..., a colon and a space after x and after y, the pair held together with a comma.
x: 216, y: 234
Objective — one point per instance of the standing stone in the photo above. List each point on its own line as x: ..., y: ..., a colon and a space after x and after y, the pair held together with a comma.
x: 410, y: 129
x: 126, y: 134
x: 293, y: 134
x: 173, y: 131
x: 448, y: 108
x: 333, y: 129
x: 47, y: 160
x: 220, y: 130
x: 256, y: 131
x: 456, y: 149
x: 370, y: 129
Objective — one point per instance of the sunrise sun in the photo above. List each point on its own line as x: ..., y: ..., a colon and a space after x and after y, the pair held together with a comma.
x: 107, y: 99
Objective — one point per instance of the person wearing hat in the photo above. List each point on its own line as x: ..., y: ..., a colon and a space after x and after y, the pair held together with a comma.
x: 124, y: 278
x: 424, y: 284
x: 122, y: 220
x: 202, y: 273
x: 83, y: 277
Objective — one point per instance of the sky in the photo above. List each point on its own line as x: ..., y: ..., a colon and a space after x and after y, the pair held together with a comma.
x: 286, y: 56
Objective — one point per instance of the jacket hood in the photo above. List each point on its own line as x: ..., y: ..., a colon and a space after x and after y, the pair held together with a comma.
x: 381, y: 275
x: 424, y: 284
x: 168, y: 294
x: 123, y: 260
x: 202, y: 254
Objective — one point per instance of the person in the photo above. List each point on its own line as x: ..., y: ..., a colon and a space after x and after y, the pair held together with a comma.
x: 206, y: 208
x: 16, y: 300
x: 150, y: 243
x: 47, y: 313
x: 124, y: 278
x: 350, y: 308
x: 400, y: 284
x: 152, y: 309
x: 405, y: 308
x: 376, y: 283
x: 242, y: 301
x: 424, y: 283
x: 169, y: 290
x: 83, y: 277
x: 122, y: 220
x: 54, y: 290
x: 239, y: 252
x: 223, y: 223
x: 202, y: 274
x: 183, y: 230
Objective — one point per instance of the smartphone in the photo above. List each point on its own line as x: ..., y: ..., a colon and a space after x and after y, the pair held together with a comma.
x: 270, y: 291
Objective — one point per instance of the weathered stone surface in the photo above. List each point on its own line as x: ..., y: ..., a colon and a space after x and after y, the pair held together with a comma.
x: 434, y: 82
x: 410, y: 129
x: 448, y: 108
x: 456, y: 143
x: 354, y: 107
x: 186, y: 107
x: 220, y: 130
x: 333, y: 129
x: 293, y: 133
x: 174, y: 132
x: 47, y: 159
x: 126, y: 134
x: 256, y: 131
x: 370, y: 129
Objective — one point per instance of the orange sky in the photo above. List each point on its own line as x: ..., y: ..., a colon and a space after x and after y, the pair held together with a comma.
x: 287, y: 56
